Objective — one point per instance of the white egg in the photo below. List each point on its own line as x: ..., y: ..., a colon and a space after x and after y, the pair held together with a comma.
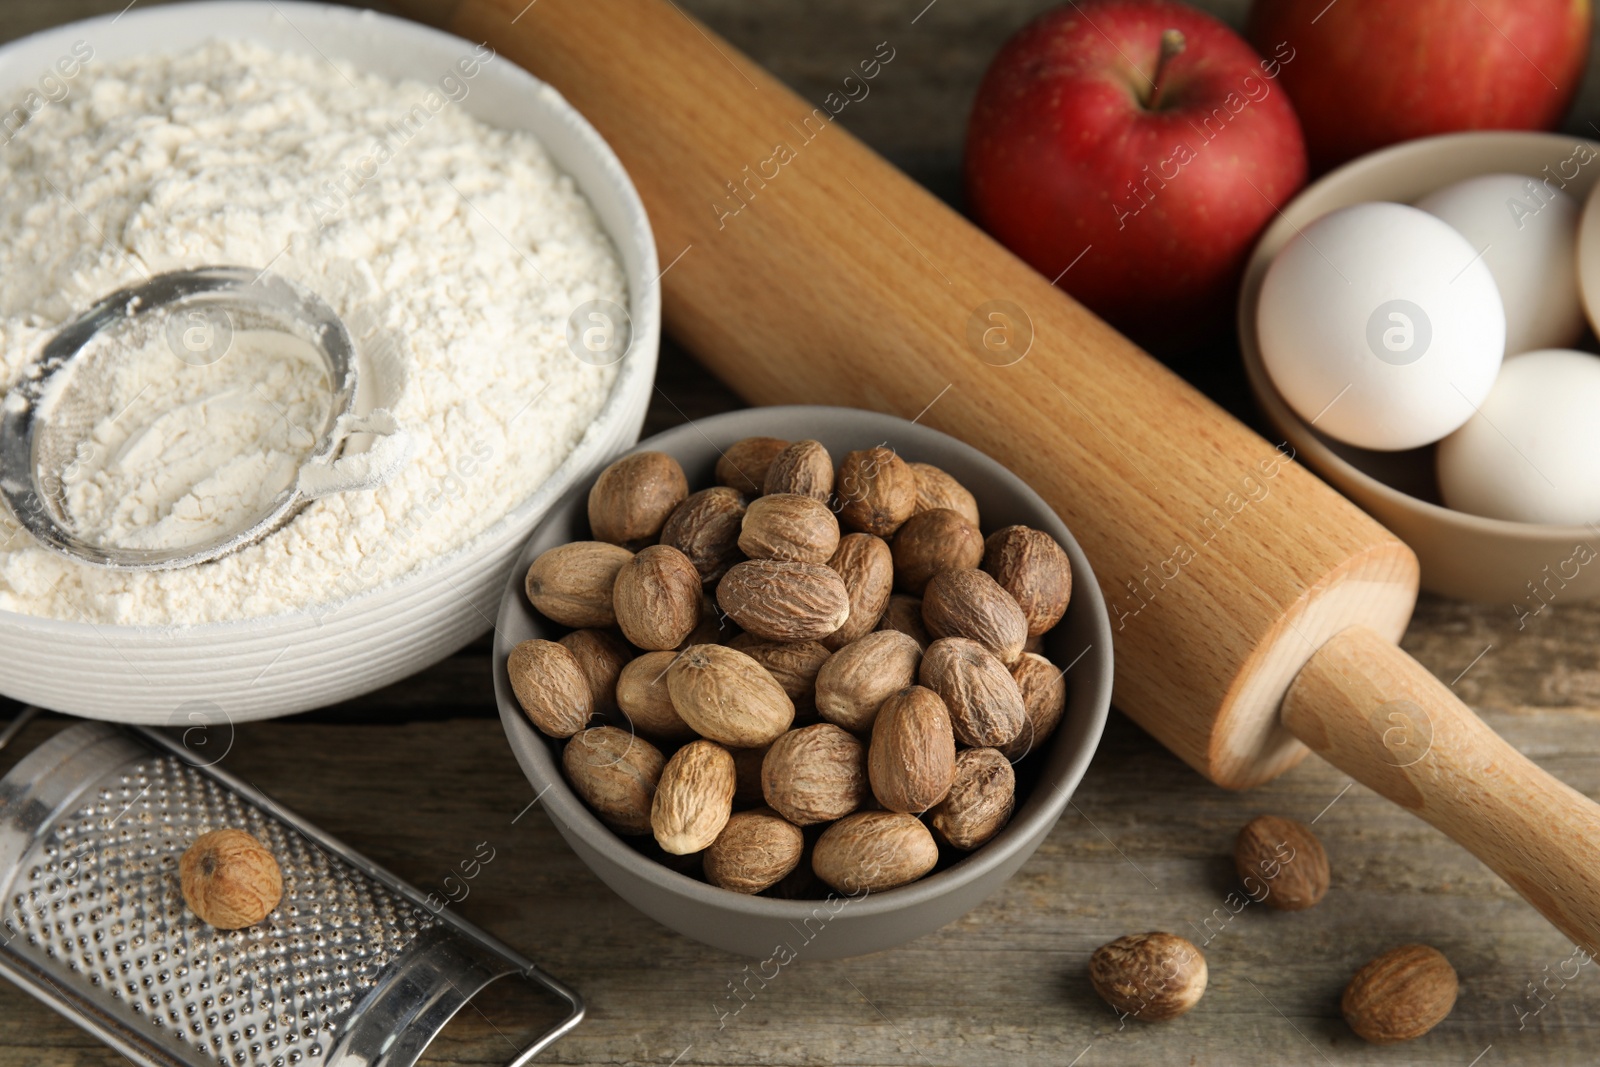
x: 1527, y: 232
x: 1532, y: 452
x: 1381, y: 326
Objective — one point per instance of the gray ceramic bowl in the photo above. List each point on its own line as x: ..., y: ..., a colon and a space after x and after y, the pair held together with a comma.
x: 823, y: 929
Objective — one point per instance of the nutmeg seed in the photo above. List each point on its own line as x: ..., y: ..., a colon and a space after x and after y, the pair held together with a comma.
x: 912, y: 759
x: 743, y: 465
x: 657, y: 598
x: 793, y: 664
x: 643, y: 697
x: 937, y: 489
x: 866, y: 565
x: 972, y: 604
x: 550, y: 686
x: 980, y: 799
x: 632, y: 498
x: 230, y: 879
x: 728, y: 697
x: 805, y: 468
x: 788, y: 526
x: 754, y: 852
x: 931, y: 542
x: 904, y: 613
x: 877, y: 490
x: 1035, y: 570
x: 985, y: 704
x: 815, y: 774
x: 601, y: 657
x: 705, y: 528
x: 780, y: 600
x: 873, y: 851
x: 1281, y: 862
x: 1153, y: 977
x: 1401, y: 995
x: 694, y: 798
x: 1044, y: 702
x: 615, y: 772
x: 857, y: 679
x: 571, y: 584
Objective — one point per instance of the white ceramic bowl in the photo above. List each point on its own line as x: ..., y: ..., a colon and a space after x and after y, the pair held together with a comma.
x: 1469, y: 557
x: 277, y: 665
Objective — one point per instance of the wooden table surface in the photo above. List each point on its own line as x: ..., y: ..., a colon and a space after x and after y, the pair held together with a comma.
x: 417, y: 775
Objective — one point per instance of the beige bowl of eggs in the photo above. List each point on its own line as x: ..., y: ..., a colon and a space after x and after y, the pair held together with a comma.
x: 1441, y: 373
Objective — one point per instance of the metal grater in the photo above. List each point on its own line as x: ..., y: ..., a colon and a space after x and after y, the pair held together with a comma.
x: 352, y: 968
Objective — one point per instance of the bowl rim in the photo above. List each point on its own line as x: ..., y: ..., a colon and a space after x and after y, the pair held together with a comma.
x: 970, y: 868
x: 637, y: 367
x: 1302, y: 435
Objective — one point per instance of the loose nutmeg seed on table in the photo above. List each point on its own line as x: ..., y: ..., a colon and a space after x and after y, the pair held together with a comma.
x: 744, y: 464
x: 805, y: 468
x: 788, y: 526
x: 1153, y: 977
x: 1401, y: 995
x: 866, y: 565
x: 1281, y: 863
x: 657, y: 598
x: 571, y: 584
x: 632, y: 498
x: 615, y: 772
x: 705, y: 528
x: 551, y: 687
x: 972, y: 604
x: 229, y: 879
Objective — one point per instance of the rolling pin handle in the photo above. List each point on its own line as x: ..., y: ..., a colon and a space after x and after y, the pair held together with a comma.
x: 1380, y: 716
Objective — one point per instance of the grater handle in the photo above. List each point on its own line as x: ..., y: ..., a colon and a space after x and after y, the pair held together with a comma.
x: 565, y: 1026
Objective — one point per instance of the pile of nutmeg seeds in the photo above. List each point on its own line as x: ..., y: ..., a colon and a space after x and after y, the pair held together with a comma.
x: 797, y: 660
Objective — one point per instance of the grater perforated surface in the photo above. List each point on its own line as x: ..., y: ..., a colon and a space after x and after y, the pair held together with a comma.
x: 97, y: 899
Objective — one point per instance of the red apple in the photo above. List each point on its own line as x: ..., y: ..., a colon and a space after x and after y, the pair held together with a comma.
x: 1132, y: 150
x: 1368, y: 73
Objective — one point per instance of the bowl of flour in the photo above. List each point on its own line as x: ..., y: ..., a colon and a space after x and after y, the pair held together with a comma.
x: 481, y: 244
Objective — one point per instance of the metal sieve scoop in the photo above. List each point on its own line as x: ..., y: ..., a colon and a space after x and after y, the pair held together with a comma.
x: 195, y: 316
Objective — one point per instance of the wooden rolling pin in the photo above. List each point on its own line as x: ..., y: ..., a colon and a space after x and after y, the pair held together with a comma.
x: 1253, y: 607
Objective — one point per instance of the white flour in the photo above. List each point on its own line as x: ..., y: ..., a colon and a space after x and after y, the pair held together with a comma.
x: 453, y: 252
